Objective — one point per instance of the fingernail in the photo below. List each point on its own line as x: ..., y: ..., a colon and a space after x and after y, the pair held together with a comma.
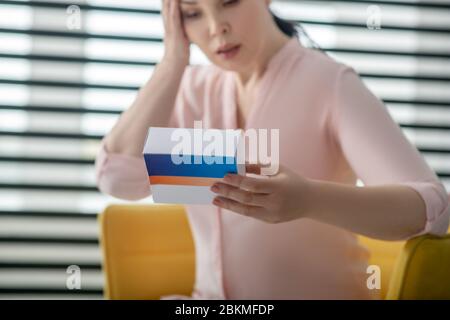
x: 217, y: 202
x: 215, y: 188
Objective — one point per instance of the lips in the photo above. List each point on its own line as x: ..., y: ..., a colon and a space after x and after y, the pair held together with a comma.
x: 229, y: 52
x: 227, y: 48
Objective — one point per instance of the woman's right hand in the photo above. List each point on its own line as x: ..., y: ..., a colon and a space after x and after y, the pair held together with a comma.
x: 176, y: 43
x: 156, y: 99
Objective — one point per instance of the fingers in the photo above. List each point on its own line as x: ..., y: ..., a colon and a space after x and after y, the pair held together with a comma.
x: 165, y: 13
x: 235, y: 206
x: 172, y: 18
x: 242, y: 196
x: 261, y: 169
x: 253, y: 168
x: 256, y: 185
x: 172, y: 11
x: 176, y: 42
x: 169, y: 14
x: 176, y: 14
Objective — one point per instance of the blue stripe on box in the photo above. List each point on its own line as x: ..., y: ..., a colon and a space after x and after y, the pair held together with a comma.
x: 210, y: 166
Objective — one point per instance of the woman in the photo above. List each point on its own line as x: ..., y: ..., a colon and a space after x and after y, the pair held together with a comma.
x: 290, y: 236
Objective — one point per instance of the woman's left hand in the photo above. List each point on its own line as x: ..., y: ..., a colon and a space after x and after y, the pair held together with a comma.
x: 274, y: 199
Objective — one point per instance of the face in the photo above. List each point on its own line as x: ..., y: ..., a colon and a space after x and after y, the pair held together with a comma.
x: 216, y: 24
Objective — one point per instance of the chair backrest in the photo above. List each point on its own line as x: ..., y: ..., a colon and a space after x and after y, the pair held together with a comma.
x: 422, y: 270
x: 148, y: 251
x: 416, y: 269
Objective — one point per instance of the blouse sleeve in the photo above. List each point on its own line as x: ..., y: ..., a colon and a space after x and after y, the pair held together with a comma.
x: 125, y: 177
x: 378, y: 151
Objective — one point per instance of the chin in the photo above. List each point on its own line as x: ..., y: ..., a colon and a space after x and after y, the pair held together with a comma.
x: 228, y: 66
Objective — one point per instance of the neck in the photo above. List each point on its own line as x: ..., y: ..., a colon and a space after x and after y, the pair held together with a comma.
x: 268, y: 49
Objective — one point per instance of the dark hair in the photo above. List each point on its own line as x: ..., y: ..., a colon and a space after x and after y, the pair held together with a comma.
x: 293, y: 29
x: 287, y: 27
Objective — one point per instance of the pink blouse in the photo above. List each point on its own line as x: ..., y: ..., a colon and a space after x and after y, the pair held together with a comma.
x: 331, y: 128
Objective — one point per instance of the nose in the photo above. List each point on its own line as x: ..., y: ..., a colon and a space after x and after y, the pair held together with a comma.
x: 218, y: 27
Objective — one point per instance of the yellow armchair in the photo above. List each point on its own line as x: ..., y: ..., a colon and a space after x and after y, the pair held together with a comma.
x: 148, y: 252
x: 422, y: 270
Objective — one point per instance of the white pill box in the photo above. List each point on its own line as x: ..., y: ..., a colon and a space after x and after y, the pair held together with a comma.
x: 183, y: 163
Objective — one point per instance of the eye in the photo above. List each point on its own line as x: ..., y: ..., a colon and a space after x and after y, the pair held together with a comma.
x: 190, y: 15
x: 230, y: 2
